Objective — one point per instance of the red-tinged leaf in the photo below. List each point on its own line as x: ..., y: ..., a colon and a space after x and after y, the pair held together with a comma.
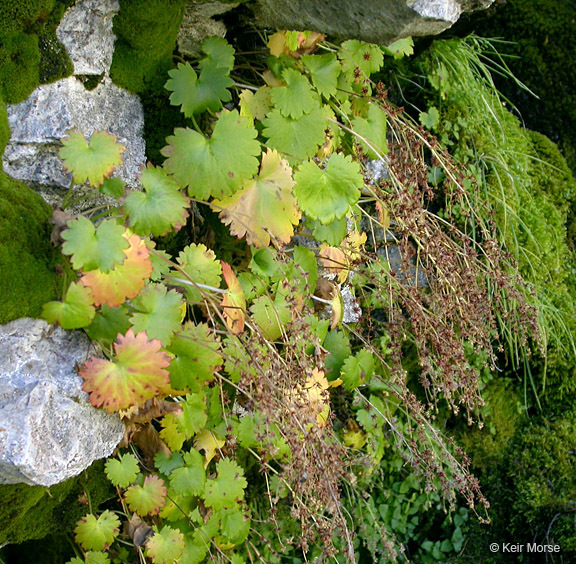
x: 234, y: 302
x: 147, y: 499
x: 135, y: 374
x: 125, y: 280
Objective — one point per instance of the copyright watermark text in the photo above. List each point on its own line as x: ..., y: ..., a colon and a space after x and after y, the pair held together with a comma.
x: 524, y: 548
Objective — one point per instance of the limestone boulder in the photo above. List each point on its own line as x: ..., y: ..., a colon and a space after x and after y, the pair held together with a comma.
x: 375, y: 21
x: 49, y: 432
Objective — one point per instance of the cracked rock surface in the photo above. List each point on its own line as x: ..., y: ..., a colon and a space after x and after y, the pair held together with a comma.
x: 49, y: 432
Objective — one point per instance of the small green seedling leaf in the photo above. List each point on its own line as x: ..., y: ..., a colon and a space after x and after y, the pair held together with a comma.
x: 430, y: 119
x: 326, y: 194
x: 207, y: 166
x: 137, y: 373
x: 92, y: 161
x: 97, y: 533
x: 123, y: 471
x: 219, y: 53
x: 92, y: 247
x: 113, y: 187
x: 76, y: 311
x: 357, y: 369
x: 160, y: 208
x: 147, y: 499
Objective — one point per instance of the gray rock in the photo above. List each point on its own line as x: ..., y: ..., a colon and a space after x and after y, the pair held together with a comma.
x: 198, y: 23
x: 86, y: 32
x: 376, y: 21
x: 48, y: 430
x: 40, y: 122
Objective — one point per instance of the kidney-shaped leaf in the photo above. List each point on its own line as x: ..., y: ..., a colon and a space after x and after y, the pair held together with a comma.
x: 326, y: 194
x: 92, y: 161
x: 137, y: 373
x: 125, y: 280
x: 160, y: 208
x: 265, y: 206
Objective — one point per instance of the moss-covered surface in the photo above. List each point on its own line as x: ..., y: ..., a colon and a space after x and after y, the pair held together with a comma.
x: 542, y: 36
x: 29, y: 513
x: 28, y: 277
x: 146, y: 33
x: 30, y: 53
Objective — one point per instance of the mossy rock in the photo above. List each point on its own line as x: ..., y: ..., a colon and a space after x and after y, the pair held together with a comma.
x: 542, y: 42
x: 28, y: 513
x: 146, y: 32
x: 30, y: 53
x: 28, y: 277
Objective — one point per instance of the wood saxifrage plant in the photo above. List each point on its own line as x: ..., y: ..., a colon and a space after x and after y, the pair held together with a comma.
x: 219, y: 369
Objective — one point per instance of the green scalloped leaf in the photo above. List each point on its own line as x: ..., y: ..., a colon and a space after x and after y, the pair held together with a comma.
x: 271, y: 316
x: 219, y: 53
x: 92, y: 161
x: 92, y: 247
x: 296, y: 98
x: 76, y: 311
x: 113, y: 187
x: 196, y: 358
x: 123, y: 471
x: 91, y: 557
x: 158, y: 312
x: 160, y: 208
x: 333, y: 233
x: 400, y: 48
x: 338, y: 345
x: 97, y: 533
x: 193, y: 416
x: 108, y: 323
x: 227, y: 489
x: 171, y: 433
x: 167, y: 464
x: 373, y: 129
x: 190, y: 479
x: 208, y: 167
x: 296, y: 138
x: 357, y: 369
x: 201, y: 266
x: 326, y: 194
x: 148, y: 498
x: 366, y: 56
x: 197, y: 94
x: 166, y: 546
x: 324, y: 71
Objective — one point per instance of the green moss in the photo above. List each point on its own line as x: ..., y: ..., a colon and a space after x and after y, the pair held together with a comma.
x: 146, y: 33
x: 33, y: 512
x: 20, y: 64
x: 542, y: 36
x: 19, y: 15
x: 502, y: 416
x: 4, y: 129
x: 27, y: 258
x: 30, y: 53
